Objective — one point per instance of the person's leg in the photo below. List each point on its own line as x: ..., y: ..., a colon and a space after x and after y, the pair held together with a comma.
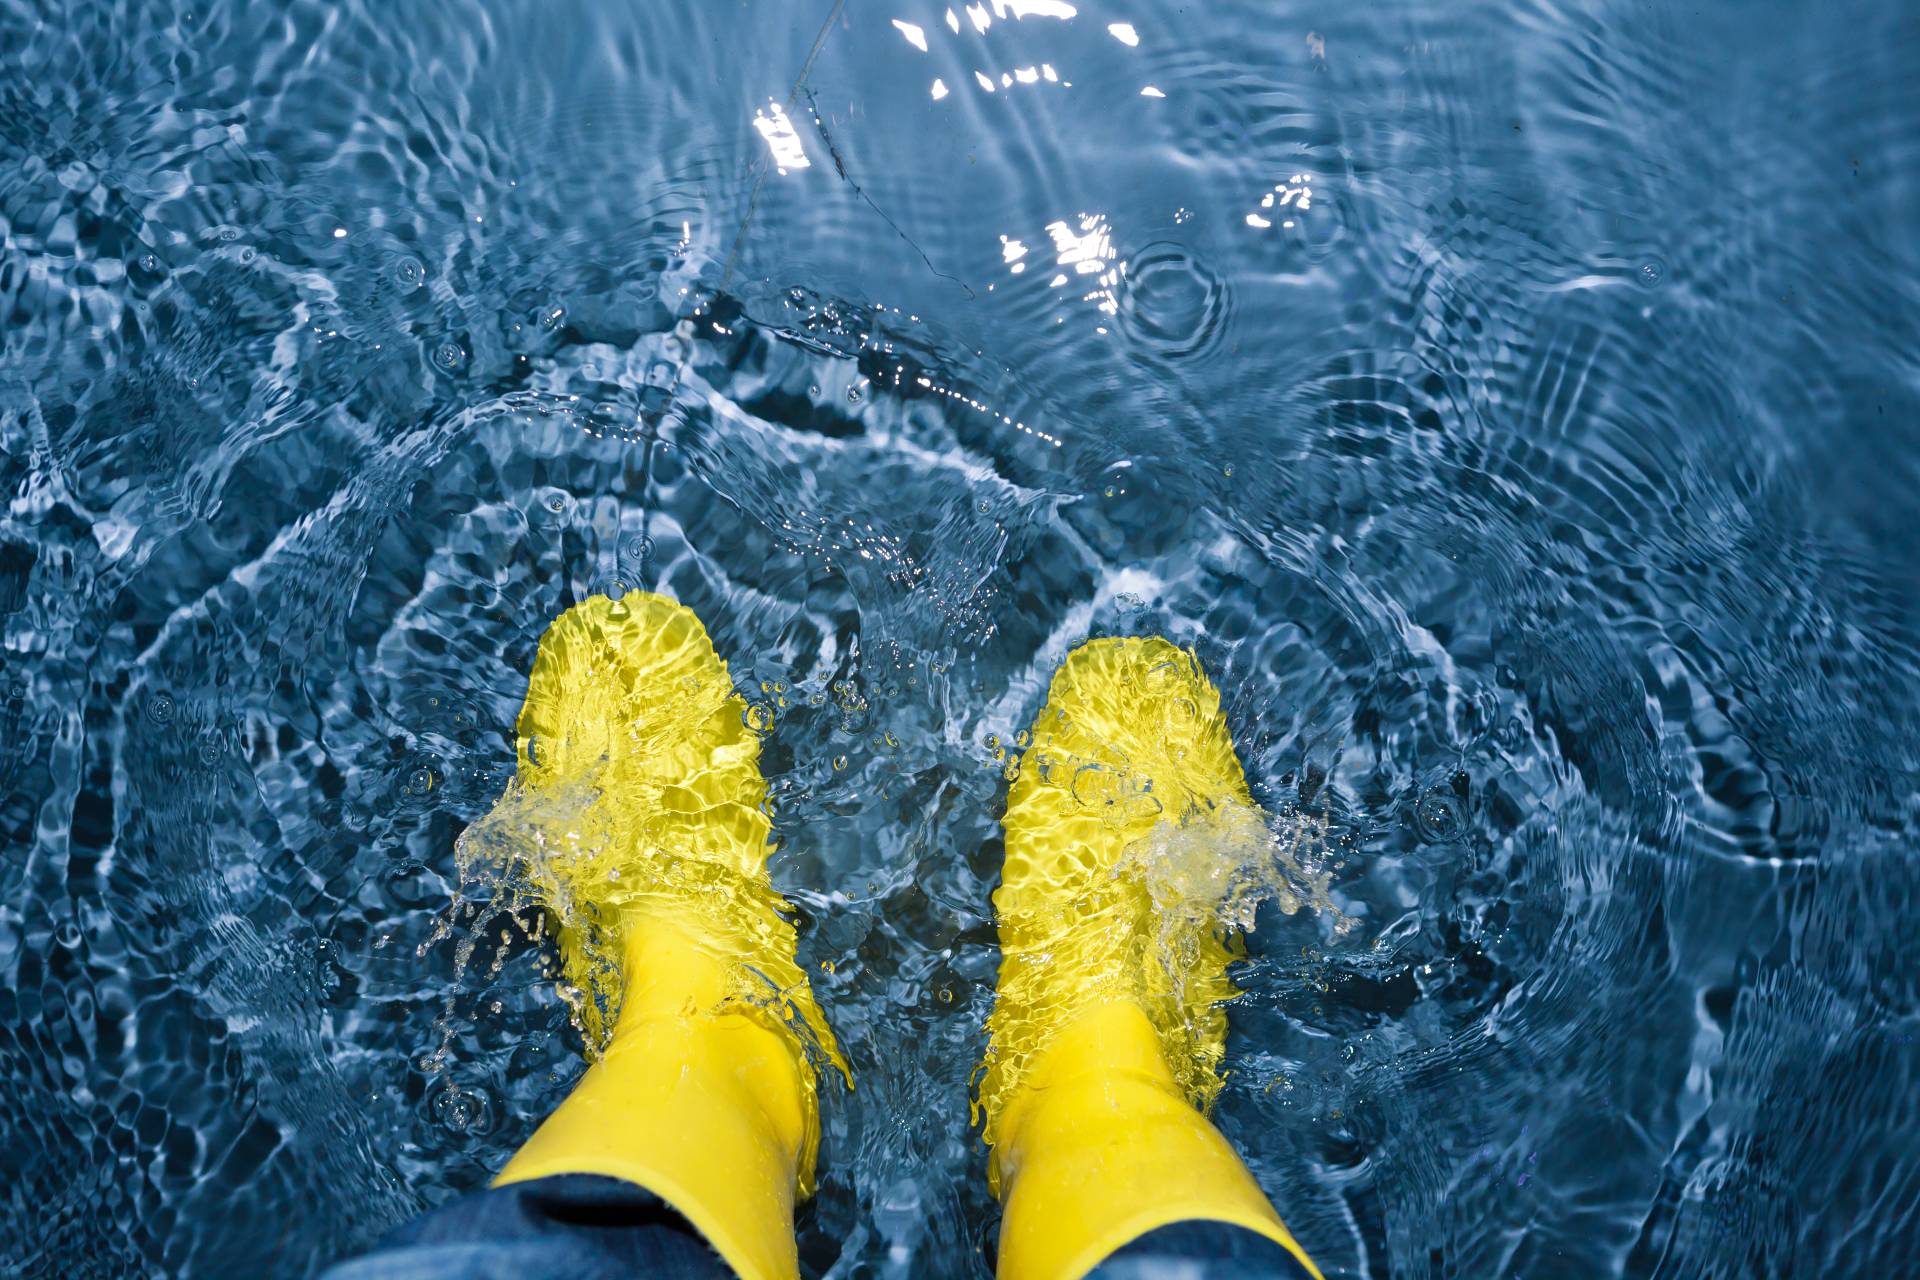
x: 637, y: 814
x: 579, y: 1225
x: 1202, y: 1251
x: 1106, y: 1029
x: 709, y: 1109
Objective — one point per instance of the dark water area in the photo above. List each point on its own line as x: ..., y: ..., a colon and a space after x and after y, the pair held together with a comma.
x: 1513, y: 404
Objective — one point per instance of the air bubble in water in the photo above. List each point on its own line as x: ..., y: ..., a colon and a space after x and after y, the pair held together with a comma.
x: 160, y: 708
x: 1652, y: 272
x: 449, y: 356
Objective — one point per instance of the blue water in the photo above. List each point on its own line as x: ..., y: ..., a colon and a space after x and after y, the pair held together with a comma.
x: 1512, y: 403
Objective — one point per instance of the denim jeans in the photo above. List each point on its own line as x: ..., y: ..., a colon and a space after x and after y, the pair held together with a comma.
x: 586, y: 1227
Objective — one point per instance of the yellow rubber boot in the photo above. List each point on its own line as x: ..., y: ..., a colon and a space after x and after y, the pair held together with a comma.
x: 638, y: 805
x: 1106, y: 1035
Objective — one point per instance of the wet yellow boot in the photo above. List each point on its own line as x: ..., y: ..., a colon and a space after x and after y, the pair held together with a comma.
x: 637, y: 814
x: 1106, y: 1035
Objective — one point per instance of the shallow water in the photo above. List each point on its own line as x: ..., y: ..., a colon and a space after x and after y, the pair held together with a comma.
x: 1511, y: 404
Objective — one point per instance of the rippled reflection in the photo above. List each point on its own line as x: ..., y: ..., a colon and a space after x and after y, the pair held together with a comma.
x: 772, y: 124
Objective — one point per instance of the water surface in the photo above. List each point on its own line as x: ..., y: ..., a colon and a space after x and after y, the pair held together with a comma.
x: 1511, y: 403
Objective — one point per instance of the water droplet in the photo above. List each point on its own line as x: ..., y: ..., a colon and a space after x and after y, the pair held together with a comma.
x: 839, y: 764
x: 637, y: 548
x: 149, y: 262
x: 550, y: 508
x: 421, y: 780
x: 1227, y: 471
x: 759, y: 717
x: 1652, y: 272
x: 1111, y: 491
x: 550, y: 316
x: 1181, y: 715
x: 450, y: 356
x: 1437, y: 816
x: 463, y: 1110
x: 855, y: 395
x: 1094, y: 786
x: 330, y: 977
x: 1173, y: 302
x: 246, y: 253
x: 409, y: 274
x: 160, y: 708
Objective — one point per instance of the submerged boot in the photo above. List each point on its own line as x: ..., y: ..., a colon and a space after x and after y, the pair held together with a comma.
x: 638, y: 811
x: 1106, y: 1034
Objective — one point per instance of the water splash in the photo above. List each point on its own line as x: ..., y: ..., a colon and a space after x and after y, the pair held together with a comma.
x: 1222, y: 870
x: 538, y: 870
